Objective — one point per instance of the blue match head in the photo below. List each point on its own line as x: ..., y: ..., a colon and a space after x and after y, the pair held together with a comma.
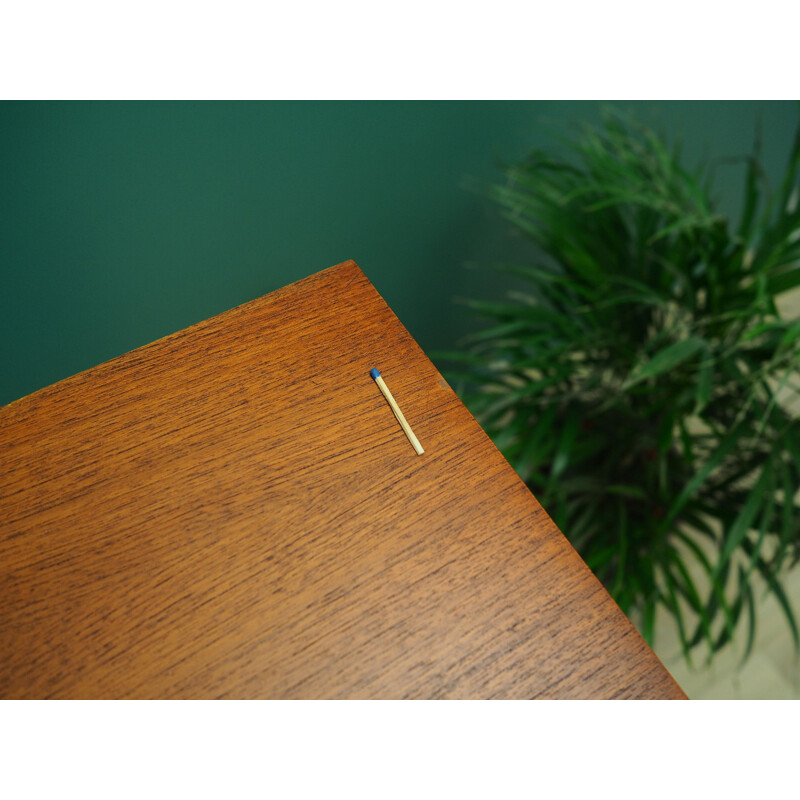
x: 374, y: 373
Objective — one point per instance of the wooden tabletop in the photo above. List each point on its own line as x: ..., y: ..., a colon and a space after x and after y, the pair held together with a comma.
x: 234, y: 511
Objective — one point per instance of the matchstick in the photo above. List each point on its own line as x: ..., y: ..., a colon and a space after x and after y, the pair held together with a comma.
x: 397, y: 412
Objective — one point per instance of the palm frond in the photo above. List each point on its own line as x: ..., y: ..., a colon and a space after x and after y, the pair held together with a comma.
x: 635, y: 383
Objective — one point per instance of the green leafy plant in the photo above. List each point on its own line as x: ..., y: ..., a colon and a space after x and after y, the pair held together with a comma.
x: 640, y: 381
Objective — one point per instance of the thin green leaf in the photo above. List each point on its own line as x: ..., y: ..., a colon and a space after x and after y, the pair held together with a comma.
x: 668, y: 358
x: 671, y: 601
x: 725, y: 448
x: 648, y: 621
x: 734, y: 537
x: 691, y: 593
x: 751, y: 618
x: 564, y: 452
x: 791, y: 335
x: 704, y: 385
x: 780, y: 595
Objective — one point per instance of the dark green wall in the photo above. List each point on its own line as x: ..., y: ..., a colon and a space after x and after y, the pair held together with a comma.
x: 123, y: 222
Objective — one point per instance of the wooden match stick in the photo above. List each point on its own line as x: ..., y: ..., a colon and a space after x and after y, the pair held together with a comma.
x: 397, y: 412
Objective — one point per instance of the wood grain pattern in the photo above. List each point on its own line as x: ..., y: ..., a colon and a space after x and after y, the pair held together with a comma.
x: 233, y: 511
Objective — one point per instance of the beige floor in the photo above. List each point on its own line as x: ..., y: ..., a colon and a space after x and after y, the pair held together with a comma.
x: 771, y: 673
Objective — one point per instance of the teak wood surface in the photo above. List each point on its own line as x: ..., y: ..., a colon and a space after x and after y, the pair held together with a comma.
x: 233, y: 511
